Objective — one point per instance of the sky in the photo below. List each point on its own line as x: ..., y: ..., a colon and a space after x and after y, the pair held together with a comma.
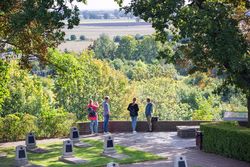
x: 100, y: 5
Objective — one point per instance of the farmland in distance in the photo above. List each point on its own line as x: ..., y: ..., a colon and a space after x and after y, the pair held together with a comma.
x: 92, y: 29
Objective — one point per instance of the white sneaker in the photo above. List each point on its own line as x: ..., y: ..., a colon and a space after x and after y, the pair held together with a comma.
x: 134, y: 132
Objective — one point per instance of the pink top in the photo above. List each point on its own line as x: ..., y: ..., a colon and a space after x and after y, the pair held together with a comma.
x: 94, y: 107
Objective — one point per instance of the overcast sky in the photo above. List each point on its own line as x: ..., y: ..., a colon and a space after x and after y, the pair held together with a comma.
x: 100, y: 5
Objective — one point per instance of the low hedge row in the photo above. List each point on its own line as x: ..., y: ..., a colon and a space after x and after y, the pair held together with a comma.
x: 14, y: 127
x: 227, y: 139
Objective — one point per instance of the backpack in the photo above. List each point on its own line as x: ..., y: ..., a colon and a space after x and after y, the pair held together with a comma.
x: 91, y: 112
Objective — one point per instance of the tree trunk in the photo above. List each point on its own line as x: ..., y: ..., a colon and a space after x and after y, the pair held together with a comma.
x: 248, y: 108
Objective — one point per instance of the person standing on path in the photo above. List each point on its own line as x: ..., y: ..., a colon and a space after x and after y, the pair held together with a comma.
x: 106, y: 114
x: 133, y: 109
x: 93, y: 116
x: 148, y: 113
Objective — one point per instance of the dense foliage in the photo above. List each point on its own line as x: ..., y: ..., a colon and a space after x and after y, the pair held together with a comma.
x: 227, y: 139
x: 29, y: 105
x: 81, y: 77
x: 123, y: 67
x: 217, y: 32
x: 4, y: 78
x: 145, y: 48
x: 51, y: 101
x: 32, y: 26
x: 51, y: 124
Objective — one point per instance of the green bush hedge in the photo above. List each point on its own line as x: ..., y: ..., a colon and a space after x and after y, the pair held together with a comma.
x: 14, y: 127
x: 227, y: 139
x: 55, y: 124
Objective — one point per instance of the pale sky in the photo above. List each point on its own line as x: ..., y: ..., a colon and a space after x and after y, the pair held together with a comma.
x: 100, y: 5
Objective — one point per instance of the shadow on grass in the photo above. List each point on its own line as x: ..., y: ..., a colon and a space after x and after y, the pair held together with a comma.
x: 91, y: 154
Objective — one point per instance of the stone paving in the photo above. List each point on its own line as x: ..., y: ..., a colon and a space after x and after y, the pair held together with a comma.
x: 165, y: 144
x: 169, y: 145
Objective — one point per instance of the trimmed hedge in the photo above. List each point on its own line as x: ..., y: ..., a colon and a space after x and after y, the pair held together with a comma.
x: 227, y: 139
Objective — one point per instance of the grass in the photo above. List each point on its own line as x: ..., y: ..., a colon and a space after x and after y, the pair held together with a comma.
x: 92, y: 154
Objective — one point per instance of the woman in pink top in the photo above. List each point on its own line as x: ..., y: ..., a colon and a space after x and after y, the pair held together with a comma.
x: 93, y: 116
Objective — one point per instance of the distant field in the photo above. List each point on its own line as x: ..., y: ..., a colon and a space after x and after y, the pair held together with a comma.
x: 92, y: 30
x: 106, y: 20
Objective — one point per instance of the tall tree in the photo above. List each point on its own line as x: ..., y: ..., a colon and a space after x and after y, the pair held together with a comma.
x: 217, y: 39
x: 32, y: 26
x: 147, y: 50
x: 104, y: 47
x: 126, y: 48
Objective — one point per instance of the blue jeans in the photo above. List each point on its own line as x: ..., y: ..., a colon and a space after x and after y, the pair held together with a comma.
x: 134, y: 121
x: 106, y: 123
x: 94, y: 126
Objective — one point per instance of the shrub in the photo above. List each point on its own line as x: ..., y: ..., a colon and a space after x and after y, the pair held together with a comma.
x: 82, y: 38
x: 1, y: 128
x: 16, y: 126
x: 72, y: 37
x: 55, y: 123
x: 50, y: 124
x: 28, y: 123
x: 227, y: 139
x: 11, y: 130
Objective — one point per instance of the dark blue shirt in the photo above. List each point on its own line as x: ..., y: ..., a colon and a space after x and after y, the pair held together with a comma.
x: 149, y: 109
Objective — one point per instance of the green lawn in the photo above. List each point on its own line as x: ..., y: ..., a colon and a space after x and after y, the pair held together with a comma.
x: 92, y: 154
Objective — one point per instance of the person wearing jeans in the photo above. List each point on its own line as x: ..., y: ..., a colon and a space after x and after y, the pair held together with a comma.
x: 93, y: 116
x: 148, y: 113
x: 106, y: 114
x: 133, y: 109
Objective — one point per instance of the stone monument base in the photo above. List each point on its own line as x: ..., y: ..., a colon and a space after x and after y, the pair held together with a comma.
x: 32, y: 165
x: 31, y: 146
x: 112, y: 164
x: 82, y: 145
x: 113, y: 151
x: 37, y: 150
x: 3, y: 155
x: 115, y: 155
x: 21, y: 162
x: 72, y: 160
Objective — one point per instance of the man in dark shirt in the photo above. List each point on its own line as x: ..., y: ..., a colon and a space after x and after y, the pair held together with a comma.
x: 133, y: 109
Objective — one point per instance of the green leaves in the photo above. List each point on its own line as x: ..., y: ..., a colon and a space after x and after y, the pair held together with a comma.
x: 4, y: 78
x: 80, y: 78
x: 216, y: 39
x: 104, y: 47
x: 33, y: 26
x: 234, y: 140
x: 27, y: 94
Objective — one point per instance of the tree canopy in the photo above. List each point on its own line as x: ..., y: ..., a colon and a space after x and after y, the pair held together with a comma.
x: 216, y: 28
x: 32, y: 26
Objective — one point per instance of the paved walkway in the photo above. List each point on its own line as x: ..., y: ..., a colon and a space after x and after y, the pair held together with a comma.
x: 165, y: 144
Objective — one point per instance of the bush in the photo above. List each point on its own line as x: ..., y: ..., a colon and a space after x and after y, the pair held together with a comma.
x: 11, y: 130
x: 82, y: 38
x: 16, y: 126
x: 55, y: 123
x: 1, y: 128
x: 50, y: 124
x: 227, y: 139
x: 28, y: 123
x: 72, y: 37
